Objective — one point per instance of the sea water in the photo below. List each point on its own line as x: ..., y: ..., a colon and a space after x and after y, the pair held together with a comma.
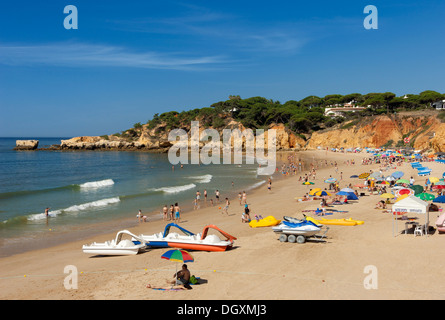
x: 89, y: 192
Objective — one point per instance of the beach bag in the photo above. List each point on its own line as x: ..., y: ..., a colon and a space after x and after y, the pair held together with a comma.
x: 193, y: 280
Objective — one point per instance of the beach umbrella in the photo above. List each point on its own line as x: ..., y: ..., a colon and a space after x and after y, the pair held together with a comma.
x: 364, y: 175
x: 313, y: 191
x: 425, y: 196
x: 376, y: 175
x: 178, y: 255
x: 397, y: 174
x: 440, y: 199
x: 330, y: 180
x: 383, y: 182
x: 417, y: 189
x: 390, y: 178
x: 354, y: 176
x: 347, y: 190
x: 387, y: 196
x: 404, y: 191
x: 443, y: 175
x: 402, y: 181
x: 433, y: 179
x: 439, y: 185
x: 322, y: 193
x: 308, y: 183
x: 402, y: 197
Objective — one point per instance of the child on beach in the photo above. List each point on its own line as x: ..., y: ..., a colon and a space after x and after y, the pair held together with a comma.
x: 141, y: 217
x: 245, y: 217
x: 226, y: 208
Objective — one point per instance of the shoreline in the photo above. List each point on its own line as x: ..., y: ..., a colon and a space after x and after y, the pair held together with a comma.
x: 333, y: 270
x: 87, y: 231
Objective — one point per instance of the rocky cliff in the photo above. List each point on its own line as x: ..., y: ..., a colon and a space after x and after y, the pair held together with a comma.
x: 156, y: 139
x: 424, y: 129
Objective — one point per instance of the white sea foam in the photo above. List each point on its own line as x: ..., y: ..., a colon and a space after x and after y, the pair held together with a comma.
x: 176, y: 189
x: 202, y: 179
x: 76, y: 208
x: 97, y: 184
x: 256, y: 185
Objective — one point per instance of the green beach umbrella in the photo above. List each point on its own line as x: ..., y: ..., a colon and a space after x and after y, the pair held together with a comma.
x: 417, y: 189
x: 402, y: 181
x: 425, y: 196
x: 308, y: 182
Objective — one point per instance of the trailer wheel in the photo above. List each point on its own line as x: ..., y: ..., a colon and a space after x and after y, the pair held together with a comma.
x: 291, y: 238
x: 301, y: 239
x: 283, y: 238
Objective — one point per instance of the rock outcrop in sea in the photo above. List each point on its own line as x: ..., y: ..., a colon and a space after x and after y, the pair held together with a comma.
x: 26, y: 144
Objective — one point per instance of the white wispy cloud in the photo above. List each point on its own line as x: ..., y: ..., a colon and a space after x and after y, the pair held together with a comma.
x: 92, y: 55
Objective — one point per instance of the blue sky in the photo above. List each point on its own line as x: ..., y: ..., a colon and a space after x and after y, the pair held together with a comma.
x: 130, y: 59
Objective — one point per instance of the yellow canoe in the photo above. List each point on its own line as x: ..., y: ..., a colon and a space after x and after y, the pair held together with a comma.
x: 269, y: 221
x: 340, y: 222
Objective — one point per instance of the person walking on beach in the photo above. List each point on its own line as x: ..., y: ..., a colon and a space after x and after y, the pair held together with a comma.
x: 205, y: 195
x: 177, y: 213
x: 47, y: 212
x: 165, y: 212
x: 240, y: 197
x: 226, y: 207
x: 244, y: 197
x: 198, y: 196
x: 217, y: 196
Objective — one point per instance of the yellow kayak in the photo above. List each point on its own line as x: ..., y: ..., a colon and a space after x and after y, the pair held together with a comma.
x: 340, y: 222
x: 266, y: 222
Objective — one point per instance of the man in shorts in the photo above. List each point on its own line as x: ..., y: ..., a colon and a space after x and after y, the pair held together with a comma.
x: 182, y: 277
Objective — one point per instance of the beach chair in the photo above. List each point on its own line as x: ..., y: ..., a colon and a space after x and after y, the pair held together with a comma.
x: 424, y: 173
x: 418, y: 231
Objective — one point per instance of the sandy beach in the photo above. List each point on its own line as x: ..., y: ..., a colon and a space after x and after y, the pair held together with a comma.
x: 259, y: 267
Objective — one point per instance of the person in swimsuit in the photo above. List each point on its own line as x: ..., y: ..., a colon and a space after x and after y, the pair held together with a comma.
x: 177, y: 213
x: 226, y: 208
x: 165, y: 212
x: 172, y: 212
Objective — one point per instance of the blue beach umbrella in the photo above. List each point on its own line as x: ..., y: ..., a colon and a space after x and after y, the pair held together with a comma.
x: 398, y: 174
x: 440, y: 199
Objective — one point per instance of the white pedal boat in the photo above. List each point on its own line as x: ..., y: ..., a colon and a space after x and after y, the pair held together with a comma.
x: 189, y: 241
x: 117, y: 246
